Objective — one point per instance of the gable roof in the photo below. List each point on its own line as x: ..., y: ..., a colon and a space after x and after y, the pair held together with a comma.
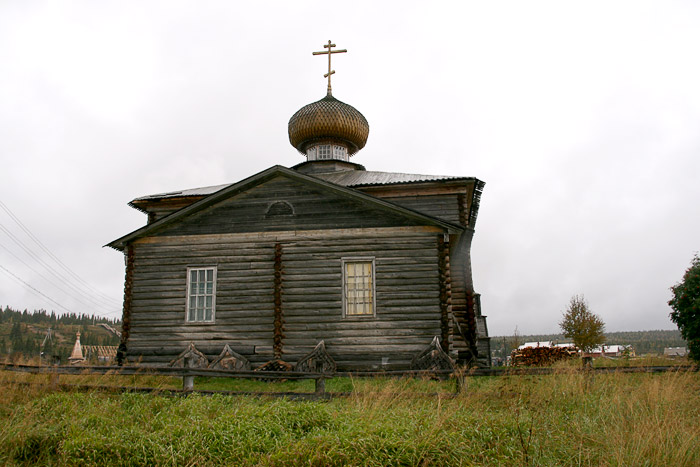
x: 202, y: 191
x: 227, y: 191
x: 347, y: 178
x: 353, y: 178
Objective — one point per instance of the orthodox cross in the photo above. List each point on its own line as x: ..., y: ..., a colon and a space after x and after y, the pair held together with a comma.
x: 328, y: 52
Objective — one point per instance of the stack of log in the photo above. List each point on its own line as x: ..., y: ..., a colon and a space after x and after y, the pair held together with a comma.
x: 540, y: 356
x: 275, y: 365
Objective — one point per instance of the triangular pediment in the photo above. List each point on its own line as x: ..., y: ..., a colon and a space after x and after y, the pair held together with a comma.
x: 280, y: 199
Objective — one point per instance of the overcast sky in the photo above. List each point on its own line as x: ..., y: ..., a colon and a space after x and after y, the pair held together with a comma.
x: 583, y: 119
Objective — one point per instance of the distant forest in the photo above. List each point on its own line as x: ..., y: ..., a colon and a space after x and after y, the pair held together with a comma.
x: 25, y: 334
x: 643, y: 342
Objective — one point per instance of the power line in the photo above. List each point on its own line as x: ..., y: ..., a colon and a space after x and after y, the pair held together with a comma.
x: 58, y: 275
x: 54, y: 257
x: 67, y: 292
x: 39, y: 292
x: 34, y: 289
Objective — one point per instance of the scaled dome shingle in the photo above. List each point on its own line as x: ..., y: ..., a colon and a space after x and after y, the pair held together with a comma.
x: 328, y: 119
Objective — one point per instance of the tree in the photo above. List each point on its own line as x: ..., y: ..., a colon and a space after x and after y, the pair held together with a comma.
x: 581, y: 325
x: 514, y: 341
x: 686, y: 307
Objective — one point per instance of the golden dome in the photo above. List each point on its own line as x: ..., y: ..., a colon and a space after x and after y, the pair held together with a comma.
x: 328, y: 120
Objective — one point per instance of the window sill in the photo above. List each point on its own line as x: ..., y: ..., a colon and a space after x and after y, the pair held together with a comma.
x: 358, y: 317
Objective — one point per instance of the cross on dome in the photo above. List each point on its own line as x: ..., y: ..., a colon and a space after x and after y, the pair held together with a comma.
x: 328, y: 52
x: 328, y: 129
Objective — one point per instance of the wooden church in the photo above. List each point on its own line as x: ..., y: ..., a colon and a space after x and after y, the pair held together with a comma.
x: 375, y: 265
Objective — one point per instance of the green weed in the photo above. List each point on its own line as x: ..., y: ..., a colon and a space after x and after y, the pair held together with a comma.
x: 568, y: 418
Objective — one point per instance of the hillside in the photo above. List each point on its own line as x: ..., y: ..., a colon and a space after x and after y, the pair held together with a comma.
x: 23, y: 334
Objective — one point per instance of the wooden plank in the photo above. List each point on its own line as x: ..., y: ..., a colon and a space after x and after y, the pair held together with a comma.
x: 313, y: 333
x: 427, y: 188
x: 368, y: 232
x: 407, y: 278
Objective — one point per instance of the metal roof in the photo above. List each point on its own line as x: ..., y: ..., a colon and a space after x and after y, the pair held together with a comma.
x: 348, y: 178
x: 202, y: 191
x: 354, y: 178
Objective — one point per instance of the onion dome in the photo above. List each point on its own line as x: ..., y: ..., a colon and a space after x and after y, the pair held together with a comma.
x: 328, y: 129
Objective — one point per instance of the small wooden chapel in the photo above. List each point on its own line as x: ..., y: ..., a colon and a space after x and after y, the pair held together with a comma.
x: 369, y: 268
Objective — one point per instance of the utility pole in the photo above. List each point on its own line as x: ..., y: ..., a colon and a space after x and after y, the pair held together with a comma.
x: 48, y: 338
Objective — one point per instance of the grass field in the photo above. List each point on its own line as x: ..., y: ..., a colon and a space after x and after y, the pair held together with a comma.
x: 563, y: 419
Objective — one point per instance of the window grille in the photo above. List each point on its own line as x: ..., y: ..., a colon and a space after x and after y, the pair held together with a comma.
x: 323, y: 151
x: 340, y: 152
x: 201, y: 294
x: 358, y: 287
x: 326, y: 152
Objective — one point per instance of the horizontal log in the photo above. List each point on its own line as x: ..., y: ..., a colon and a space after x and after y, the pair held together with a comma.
x: 213, y: 348
x: 189, y: 331
x: 150, y: 317
x: 223, y: 304
x: 185, y: 259
x: 383, y: 316
x: 352, y: 350
x: 312, y: 333
x: 424, y: 255
x: 293, y: 235
x: 210, y: 348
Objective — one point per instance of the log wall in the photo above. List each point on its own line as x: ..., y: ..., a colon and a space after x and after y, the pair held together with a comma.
x: 441, y: 206
x: 408, y: 313
x: 279, y: 287
x: 244, y: 300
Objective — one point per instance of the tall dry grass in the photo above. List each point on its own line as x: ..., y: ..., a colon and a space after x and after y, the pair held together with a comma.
x: 567, y: 418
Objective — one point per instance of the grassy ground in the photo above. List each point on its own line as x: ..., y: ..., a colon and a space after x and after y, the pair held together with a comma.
x: 561, y: 419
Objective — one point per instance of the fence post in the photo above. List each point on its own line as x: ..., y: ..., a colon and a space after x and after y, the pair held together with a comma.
x: 321, y: 385
x: 53, y: 379
x: 460, y: 381
x: 53, y: 375
x: 188, y: 381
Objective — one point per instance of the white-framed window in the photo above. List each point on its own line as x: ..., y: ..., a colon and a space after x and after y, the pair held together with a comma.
x: 340, y: 152
x: 327, y: 152
x: 323, y: 151
x: 358, y: 287
x: 201, y: 294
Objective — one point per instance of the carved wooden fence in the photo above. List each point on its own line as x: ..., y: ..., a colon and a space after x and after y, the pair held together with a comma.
x: 188, y: 374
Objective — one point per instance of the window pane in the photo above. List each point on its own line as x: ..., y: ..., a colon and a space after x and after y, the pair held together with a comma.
x: 202, y: 290
x: 358, y: 288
